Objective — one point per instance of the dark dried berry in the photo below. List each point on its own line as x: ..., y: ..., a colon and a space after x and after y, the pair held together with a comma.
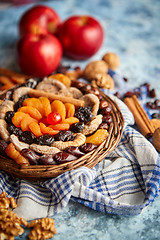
x: 8, y: 116
x: 74, y: 151
x: 30, y: 155
x: 84, y: 114
x: 125, y: 79
x: 64, y: 136
x: 129, y: 94
x: 107, y: 119
x: 3, y: 146
x: 77, y: 127
x: 78, y: 84
x: 107, y: 110
x: 63, y: 157
x: 117, y: 94
x: 156, y: 115
x: 14, y: 130
x: 103, y: 126
x: 46, y: 160
x: 88, y: 147
x: 46, y: 139
x: 27, y: 137
x: 20, y: 102
x: 152, y: 93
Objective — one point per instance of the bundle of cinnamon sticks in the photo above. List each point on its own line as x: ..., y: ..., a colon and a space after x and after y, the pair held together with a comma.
x: 142, y: 120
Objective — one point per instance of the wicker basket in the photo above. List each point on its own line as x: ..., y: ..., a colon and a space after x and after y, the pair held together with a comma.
x: 42, y: 172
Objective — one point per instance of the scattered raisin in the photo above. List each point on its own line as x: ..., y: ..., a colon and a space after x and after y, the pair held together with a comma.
x: 46, y: 139
x: 152, y: 93
x: 77, y: 127
x: 107, y: 110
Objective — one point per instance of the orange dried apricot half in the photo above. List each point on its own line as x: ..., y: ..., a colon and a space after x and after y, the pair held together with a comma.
x: 25, y: 123
x: 62, y: 78
x: 47, y: 130
x: 61, y: 126
x: 58, y: 106
x: 46, y: 105
x: 12, y: 152
x: 35, y: 129
x: 98, y: 137
x: 34, y: 102
x: 17, y: 118
x: 70, y: 110
x: 70, y: 120
x: 33, y: 112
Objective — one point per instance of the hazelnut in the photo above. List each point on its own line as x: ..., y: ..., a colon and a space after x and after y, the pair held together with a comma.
x: 112, y: 60
x: 93, y: 68
x: 104, y: 80
x: 156, y: 139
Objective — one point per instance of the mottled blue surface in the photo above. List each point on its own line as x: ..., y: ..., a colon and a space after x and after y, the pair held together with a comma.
x: 132, y: 31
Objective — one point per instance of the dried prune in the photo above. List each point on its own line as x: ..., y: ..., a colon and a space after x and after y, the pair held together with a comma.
x: 19, y: 103
x: 46, y: 139
x: 77, y: 127
x: 84, y: 114
x: 27, y: 137
x: 8, y: 116
x: 14, y: 130
x: 88, y: 147
x: 64, y: 136
x: 30, y: 155
x: 3, y: 146
x: 46, y: 160
x: 63, y: 157
x: 74, y: 151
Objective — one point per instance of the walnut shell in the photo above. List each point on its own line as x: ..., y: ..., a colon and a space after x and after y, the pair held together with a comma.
x: 112, y: 60
x: 156, y: 139
x: 104, y: 80
x: 93, y: 68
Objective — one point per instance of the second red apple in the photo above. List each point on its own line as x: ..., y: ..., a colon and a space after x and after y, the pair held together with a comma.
x: 81, y: 36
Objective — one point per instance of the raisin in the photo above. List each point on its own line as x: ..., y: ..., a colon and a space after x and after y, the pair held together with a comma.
x: 46, y: 139
x: 3, y: 146
x: 74, y: 151
x: 27, y: 137
x: 14, y: 130
x: 88, y: 147
x: 64, y: 136
x: 84, y: 114
x: 63, y: 157
x: 8, y: 116
x: 20, y: 102
x: 152, y: 93
x: 77, y: 127
x: 30, y: 155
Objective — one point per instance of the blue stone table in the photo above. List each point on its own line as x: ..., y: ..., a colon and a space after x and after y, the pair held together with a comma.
x: 132, y: 31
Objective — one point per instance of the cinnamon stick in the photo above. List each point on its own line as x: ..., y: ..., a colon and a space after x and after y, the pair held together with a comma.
x: 51, y: 96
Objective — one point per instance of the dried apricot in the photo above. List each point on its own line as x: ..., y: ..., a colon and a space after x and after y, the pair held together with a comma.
x: 34, y: 102
x: 33, y: 112
x: 70, y: 110
x: 46, y: 105
x: 25, y: 123
x: 15, y: 155
x: 70, y: 120
x: 47, y: 130
x: 35, y: 129
x: 98, y: 137
x: 62, y: 78
x: 17, y: 118
x: 61, y: 126
x: 58, y: 106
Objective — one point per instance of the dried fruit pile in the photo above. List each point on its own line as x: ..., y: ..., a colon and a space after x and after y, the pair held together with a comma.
x: 36, y: 129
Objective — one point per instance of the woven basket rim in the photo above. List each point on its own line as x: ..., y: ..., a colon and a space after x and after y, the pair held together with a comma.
x: 43, y: 172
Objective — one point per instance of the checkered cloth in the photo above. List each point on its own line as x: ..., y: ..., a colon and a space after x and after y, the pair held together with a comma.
x: 125, y: 182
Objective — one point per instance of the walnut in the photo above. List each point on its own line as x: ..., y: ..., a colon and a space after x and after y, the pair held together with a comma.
x: 104, y: 80
x: 93, y: 68
x: 156, y: 139
x: 6, y: 202
x: 42, y: 229
x: 112, y: 60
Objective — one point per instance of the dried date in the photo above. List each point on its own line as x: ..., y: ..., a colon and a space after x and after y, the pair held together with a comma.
x: 74, y: 151
x: 64, y: 157
x: 88, y: 147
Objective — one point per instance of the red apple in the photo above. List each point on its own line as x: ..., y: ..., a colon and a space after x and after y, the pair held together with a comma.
x: 39, y: 19
x: 81, y: 36
x: 38, y: 55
